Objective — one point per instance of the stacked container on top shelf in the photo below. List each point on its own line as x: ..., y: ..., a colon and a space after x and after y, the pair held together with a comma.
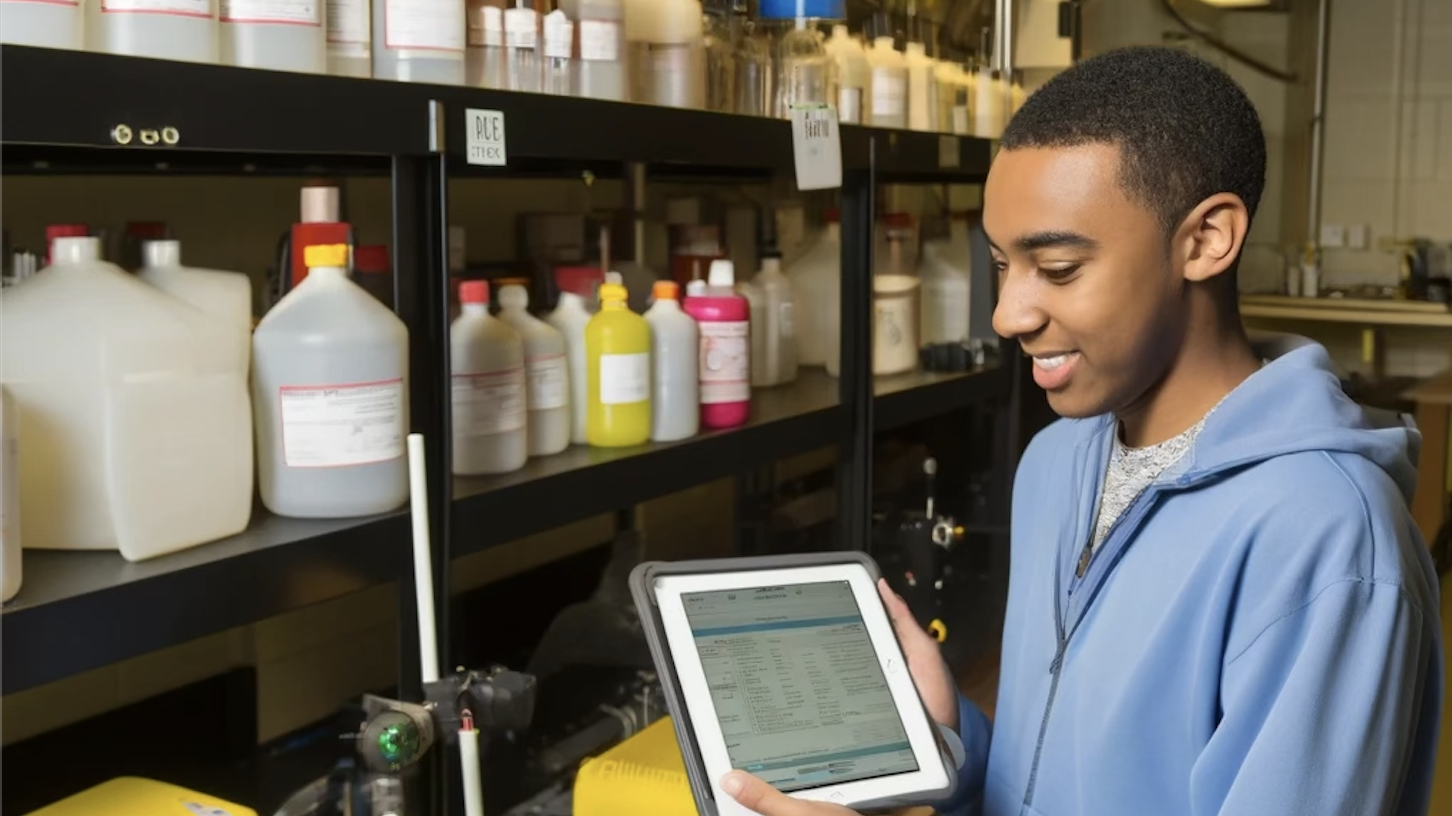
x: 132, y: 408
x: 275, y: 34
x: 487, y: 389
x: 889, y: 89
x: 330, y: 387
x: 162, y: 29
x: 854, y: 75
x: 547, y: 391
x: 665, y: 58
x: 485, y: 56
x: 419, y: 40
x: 350, y: 38
x: 44, y: 23
x: 600, y: 29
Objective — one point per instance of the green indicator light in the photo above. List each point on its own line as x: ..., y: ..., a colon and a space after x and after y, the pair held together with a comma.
x: 398, y: 742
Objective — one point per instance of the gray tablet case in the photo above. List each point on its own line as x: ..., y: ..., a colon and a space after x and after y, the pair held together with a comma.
x: 642, y: 579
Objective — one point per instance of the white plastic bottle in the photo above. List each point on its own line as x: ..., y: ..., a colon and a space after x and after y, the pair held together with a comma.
x: 922, y: 88
x: 135, y: 420
x: 226, y: 297
x: 601, y: 32
x: 522, y: 44
x: 46, y: 23
x: 667, y: 59
x: 675, y: 388
x: 330, y: 386
x: 278, y: 34
x: 773, y: 332
x: 547, y: 391
x: 350, y: 38
x: 10, y: 560
x: 946, y: 292
x: 990, y: 104
x: 571, y: 315
x: 889, y: 85
x: 557, y: 71
x: 854, y: 74
x: 488, y: 391
x: 163, y: 29
x: 485, y: 60
x: 817, y: 284
x: 419, y: 40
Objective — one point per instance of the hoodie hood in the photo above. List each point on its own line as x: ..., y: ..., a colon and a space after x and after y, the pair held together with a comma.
x: 1294, y: 404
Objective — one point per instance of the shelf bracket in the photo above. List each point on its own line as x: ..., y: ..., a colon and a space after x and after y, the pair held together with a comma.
x: 436, y: 126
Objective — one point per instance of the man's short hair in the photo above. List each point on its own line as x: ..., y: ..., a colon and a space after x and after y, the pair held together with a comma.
x: 1184, y: 129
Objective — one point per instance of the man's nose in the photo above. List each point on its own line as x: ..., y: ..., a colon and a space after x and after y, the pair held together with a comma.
x: 1018, y: 312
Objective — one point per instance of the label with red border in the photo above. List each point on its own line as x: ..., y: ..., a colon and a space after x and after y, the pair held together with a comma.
x: 424, y: 25
x: 280, y: 12
x: 71, y: 3
x: 348, y: 27
x: 343, y: 424
x: 725, y: 361
x: 175, y: 8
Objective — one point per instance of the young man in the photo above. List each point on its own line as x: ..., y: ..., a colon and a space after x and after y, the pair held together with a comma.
x: 1218, y: 602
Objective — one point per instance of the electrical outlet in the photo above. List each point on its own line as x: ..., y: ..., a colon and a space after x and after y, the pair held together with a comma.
x: 1357, y: 236
x: 1333, y: 236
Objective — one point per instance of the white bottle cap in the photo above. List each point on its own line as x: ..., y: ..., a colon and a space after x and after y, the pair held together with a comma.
x: 320, y: 205
x: 916, y: 49
x: 696, y: 288
x: 615, y: 278
x: 75, y: 250
x: 513, y: 296
x: 771, y: 264
x: 722, y: 273
x: 158, y: 254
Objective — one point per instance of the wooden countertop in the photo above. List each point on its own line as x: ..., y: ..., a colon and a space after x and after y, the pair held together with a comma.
x: 1347, y: 310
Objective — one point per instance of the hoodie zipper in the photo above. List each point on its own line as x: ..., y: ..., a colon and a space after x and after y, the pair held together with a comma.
x: 1126, y: 524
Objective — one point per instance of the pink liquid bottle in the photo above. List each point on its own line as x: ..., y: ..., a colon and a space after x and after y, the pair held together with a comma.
x: 725, y: 366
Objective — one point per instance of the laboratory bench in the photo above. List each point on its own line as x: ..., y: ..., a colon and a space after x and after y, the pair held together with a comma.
x: 86, y: 114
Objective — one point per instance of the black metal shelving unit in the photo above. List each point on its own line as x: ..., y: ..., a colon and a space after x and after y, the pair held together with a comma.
x: 68, y: 112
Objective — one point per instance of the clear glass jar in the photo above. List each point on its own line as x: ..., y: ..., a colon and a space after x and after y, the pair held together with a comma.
x: 521, y: 37
x: 753, y: 69
x: 805, y: 74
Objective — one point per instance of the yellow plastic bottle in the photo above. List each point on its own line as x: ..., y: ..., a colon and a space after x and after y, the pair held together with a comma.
x: 617, y: 381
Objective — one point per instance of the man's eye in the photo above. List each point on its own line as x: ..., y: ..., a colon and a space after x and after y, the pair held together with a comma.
x: 1000, y: 266
x: 1059, y: 273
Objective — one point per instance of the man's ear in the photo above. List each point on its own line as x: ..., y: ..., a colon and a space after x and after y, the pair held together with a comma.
x: 1210, y: 238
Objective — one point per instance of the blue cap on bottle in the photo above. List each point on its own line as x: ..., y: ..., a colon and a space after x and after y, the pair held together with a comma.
x: 818, y: 9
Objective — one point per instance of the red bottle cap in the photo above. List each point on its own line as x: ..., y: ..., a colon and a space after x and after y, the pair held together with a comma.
x: 370, y: 259
x: 474, y: 291
x: 832, y: 216
x: 579, y: 280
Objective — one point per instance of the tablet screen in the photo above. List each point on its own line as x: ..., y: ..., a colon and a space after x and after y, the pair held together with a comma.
x: 797, y: 685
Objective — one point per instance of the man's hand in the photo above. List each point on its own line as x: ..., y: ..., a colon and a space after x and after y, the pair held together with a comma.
x: 762, y: 798
x: 925, y: 662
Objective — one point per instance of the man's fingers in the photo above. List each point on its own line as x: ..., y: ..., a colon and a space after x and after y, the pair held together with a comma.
x: 897, y: 610
x: 762, y: 798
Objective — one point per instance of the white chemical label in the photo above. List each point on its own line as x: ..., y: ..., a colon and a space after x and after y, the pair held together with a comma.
x: 960, y: 118
x: 486, y: 27
x: 488, y: 403
x: 788, y: 320
x: 672, y: 82
x: 348, y: 23
x: 894, y: 333
x: 521, y: 28
x: 485, y: 137
x: 342, y: 425
x: 725, y: 361
x: 849, y: 105
x: 175, y: 8
x: 559, y: 35
x: 287, y: 12
x: 600, y: 40
x: 549, y: 382
x: 816, y: 147
x: 889, y: 92
x: 624, y: 378
x: 424, y: 25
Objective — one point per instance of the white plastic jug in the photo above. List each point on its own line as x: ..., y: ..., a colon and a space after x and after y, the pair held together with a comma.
x: 547, y: 393
x: 330, y: 388
x: 224, y: 296
x: 10, y: 563
x: 946, y: 286
x: 773, y: 332
x: 675, y: 347
x: 487, y: 391
x: 135, y: 419
x: 817, y: 285
x: 571, y: 315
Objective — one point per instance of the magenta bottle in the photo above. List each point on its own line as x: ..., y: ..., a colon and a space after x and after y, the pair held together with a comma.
x: 725, y: 368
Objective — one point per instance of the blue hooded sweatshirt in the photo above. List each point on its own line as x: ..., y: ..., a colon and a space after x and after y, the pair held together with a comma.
x: 1258, y: 633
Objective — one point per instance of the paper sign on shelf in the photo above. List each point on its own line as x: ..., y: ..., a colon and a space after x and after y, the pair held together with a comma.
x: 485, y: 137
x: 816, y: 147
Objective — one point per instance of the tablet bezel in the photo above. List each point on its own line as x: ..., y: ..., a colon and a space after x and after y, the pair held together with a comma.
x: 931, y: 775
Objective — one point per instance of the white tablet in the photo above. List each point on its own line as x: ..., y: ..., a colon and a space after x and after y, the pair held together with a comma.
x: 794, y: 674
